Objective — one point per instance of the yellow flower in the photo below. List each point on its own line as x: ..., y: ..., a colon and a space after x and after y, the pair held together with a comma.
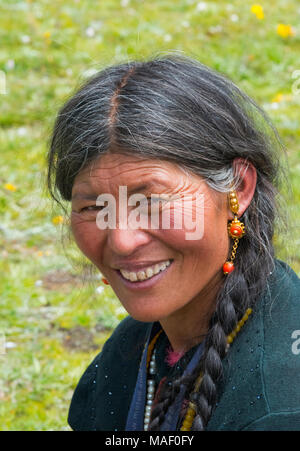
x: 285, y: 30
x: 258, y: 11
x: 47, y: 36
x: 278, y: 98
x: 10, y: 187
x: 57, y: 220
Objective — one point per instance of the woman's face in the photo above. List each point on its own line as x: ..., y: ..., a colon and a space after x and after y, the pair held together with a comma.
x: 195, y: 268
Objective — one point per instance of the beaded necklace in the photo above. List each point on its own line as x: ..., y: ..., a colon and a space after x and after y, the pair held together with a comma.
x: 191, y: 411
x: 150, y: 381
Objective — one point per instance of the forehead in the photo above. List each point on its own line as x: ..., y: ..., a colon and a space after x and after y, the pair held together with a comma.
x: 112, y: 170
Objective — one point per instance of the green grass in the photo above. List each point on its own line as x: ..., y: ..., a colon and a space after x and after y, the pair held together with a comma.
x: 54, y: 320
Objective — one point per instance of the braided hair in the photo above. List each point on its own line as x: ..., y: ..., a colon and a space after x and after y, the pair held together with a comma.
x: 174, y: 108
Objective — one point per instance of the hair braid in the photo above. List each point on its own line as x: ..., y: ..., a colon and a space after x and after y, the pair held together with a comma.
x: 166, y: 397
x: 222, y: 323
x: 210, y: 364
x: 233, y: 299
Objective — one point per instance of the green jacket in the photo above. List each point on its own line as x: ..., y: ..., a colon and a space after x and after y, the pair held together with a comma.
x: 260, y: 389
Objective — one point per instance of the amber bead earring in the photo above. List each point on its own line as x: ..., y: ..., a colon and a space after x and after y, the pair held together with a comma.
x: 105, y: 281
x: 236, y: 231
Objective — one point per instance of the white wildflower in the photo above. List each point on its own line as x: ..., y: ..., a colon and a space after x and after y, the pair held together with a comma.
x: 25, y: 39
x: 90, y: 32
x: 234, y: 18
x: 201, y: 6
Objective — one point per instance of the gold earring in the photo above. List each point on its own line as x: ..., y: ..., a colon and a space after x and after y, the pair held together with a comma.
x: 236, y: 230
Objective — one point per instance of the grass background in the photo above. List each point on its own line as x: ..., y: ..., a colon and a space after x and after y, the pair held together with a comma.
x: 55, y: 318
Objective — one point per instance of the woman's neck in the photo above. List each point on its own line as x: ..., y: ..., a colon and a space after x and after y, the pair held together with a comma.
x: 188, y: 326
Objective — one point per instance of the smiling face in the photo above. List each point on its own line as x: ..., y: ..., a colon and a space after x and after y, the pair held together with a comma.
x: 188, y: 284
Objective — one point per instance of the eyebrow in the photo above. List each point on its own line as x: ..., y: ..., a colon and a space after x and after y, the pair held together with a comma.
x: 84, y: 196
x: 131, y: 190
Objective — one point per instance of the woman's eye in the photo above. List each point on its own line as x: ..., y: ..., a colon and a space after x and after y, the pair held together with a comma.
x: 154, y: 202
x: 91, y: 208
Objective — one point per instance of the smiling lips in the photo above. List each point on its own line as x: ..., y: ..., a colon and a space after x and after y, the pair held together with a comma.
x: 146, y: 273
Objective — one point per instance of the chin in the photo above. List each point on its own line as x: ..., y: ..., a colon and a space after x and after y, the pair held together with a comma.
x: 147, y: 315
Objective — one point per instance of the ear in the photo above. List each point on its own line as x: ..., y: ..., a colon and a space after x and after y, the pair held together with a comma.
x: 247, y: 175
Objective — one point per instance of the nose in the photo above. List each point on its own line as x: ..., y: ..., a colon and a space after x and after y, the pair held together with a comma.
x: 126, y: 242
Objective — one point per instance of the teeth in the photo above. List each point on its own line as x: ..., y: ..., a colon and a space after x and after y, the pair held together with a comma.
x: 156, y: 269
x: 149, y: 272
x: 163, y: 266
x: 132, y: 277
x: 141, y: 275
x: 146, y: 273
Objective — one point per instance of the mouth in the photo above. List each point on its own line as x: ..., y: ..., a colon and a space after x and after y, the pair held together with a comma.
x: 148, y: 282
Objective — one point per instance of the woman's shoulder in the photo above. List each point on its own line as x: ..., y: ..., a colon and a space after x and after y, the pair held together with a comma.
x: 279, y: 358
x: 281, y: 311
x: 282, y: 277
x: 126, y: 340
x: 281, y: 341
x: 261, y: 385
x: 128, y: 331
x: 102, y: 396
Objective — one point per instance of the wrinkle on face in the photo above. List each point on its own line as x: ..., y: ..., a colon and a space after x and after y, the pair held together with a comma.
x: 196, y: 264
x: 112, y: 173
x: 177, y: 189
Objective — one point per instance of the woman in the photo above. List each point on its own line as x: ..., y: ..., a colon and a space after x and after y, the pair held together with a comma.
x: 208, y: 341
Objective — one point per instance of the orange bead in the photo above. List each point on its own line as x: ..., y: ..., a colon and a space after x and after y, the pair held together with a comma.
x: 228, y: 267
x: 236, y: 230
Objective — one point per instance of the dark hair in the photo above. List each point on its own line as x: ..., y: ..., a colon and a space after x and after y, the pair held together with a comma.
x: 174, y: 108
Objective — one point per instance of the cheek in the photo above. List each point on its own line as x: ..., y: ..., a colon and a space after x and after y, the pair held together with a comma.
x: 199, y: 226
x: 87, y: 236
x: 208, y: 248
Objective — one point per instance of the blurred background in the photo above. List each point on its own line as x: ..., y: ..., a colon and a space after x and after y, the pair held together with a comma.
x: 55, y: 316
